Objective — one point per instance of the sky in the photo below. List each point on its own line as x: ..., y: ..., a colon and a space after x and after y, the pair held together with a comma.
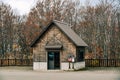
x: 22, y: 7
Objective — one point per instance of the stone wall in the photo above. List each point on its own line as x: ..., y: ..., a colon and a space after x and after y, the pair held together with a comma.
x: 73, y: 66
x: 64, y: 66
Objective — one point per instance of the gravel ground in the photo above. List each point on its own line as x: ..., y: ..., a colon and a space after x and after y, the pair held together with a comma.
x: 26, y: 73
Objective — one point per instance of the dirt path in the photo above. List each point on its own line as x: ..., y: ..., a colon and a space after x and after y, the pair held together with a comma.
x: 10, y: 74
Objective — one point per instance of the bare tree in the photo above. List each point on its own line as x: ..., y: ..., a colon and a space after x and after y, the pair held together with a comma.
x: 98, y: 29
x: 47, y: 10
x: 6, y: 28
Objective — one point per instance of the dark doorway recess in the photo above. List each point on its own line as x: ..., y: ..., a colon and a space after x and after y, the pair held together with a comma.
x: 53, y: 60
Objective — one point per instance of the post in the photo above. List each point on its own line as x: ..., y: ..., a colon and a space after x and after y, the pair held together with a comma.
x: 21, y: 61
x: 69, y: 61
x: 69, y: 65
x: 15, y: 61
x: 72, y: 65
x: 8, y: 61
x: 1, y: 62
x: 107, y: 62
x: 73, y: 60
x: 99, y: 62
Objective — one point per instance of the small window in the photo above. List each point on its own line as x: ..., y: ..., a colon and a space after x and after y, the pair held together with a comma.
x: 80, y: 55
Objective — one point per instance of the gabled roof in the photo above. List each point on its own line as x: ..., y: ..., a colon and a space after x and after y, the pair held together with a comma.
x: 66, y: 29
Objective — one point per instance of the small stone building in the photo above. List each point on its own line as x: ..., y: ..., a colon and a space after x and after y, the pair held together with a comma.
x: 56, y: 46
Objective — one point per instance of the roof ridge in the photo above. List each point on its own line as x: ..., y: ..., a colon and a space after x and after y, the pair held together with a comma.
x: 62, y: 22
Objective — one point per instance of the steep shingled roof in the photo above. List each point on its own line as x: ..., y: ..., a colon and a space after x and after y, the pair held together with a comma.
x: 66, y: 30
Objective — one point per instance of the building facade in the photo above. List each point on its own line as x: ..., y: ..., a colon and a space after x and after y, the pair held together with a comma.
x: 57, y: 47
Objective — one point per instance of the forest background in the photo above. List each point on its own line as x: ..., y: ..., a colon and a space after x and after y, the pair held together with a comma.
x: 98, y: 26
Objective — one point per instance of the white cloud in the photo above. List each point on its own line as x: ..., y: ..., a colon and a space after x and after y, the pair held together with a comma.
x: 22, y: 6
x: 90, y: 2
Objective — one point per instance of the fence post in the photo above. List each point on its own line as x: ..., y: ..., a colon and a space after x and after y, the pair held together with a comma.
x: 21, y: 62
x: 15, y: 61
x: 8, y: 61
x: 28, y: 62
x: 85, y: 62
x: 107, y: 62
x: 92, y: 62
x: 1, y: 62
x: 115, y: 62
x: 99, y: 62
